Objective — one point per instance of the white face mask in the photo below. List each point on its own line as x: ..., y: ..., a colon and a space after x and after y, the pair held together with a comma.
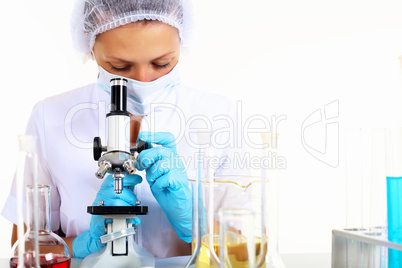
x: 140, y: 95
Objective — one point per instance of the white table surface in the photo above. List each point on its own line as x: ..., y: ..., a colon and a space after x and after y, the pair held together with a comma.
x: 309, y: 260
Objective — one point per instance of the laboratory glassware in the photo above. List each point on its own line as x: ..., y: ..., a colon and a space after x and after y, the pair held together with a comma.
x: 364, y: 155
x: 356, y: 171
x: 205, y: 228
x: 356, y: 155
x: 376, y: 255
x: 27, y: 161
x: 365, y: 195
x: 394, y: 193
x: 378, y: 189
x: 236, y: 190
x: 365, y: 187
x: 270, y: 205
x: 237, y: 245
x: 212, y: 192
x: 227, y: 192
x: 196, y: 209
x: 50, y: 249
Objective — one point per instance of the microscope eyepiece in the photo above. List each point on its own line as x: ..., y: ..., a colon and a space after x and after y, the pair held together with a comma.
x: 118, y: 95
x: 118, y: 82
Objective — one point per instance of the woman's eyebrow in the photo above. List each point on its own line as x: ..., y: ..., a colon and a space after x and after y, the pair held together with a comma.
x: 167, y: 54
x: 109, y: 58
x: 125, y: 61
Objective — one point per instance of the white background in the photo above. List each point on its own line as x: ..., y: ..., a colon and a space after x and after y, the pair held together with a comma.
x: 287, y: 57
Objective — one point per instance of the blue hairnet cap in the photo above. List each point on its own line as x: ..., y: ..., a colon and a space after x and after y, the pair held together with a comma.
x: 92, y: 17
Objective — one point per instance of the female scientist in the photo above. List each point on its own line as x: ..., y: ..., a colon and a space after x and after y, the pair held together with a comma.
x: 140, y: 40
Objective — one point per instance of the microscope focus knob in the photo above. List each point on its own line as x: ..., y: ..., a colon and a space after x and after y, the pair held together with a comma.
x: 97, y: 148
x: 142, y: 145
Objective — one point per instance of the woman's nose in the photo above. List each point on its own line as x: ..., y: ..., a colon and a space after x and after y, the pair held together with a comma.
x: 142, y: 74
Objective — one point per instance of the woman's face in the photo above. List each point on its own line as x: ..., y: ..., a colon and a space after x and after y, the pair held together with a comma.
x: 143, y: 51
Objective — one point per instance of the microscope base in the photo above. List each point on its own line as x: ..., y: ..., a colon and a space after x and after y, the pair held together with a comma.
x: 136, y: 257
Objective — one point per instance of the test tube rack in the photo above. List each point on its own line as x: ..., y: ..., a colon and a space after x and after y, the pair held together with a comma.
x: 361, y: 248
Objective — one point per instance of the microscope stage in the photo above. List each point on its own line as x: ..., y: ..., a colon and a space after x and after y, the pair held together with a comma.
x: 108, y: 210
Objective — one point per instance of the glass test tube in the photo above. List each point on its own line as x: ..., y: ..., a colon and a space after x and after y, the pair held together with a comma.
x: 394, y: 193
x: 378, y: 191
x: 270, y: 203
x: 355, y: 174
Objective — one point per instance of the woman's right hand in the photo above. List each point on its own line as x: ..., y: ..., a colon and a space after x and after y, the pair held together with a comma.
x: 89, y: 242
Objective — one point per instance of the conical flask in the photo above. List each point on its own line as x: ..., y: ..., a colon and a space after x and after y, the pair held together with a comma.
x: 39, y: 246
x: 51, y: 249
x: 199, y: 219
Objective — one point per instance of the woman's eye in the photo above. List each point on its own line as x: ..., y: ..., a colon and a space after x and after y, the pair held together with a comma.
x: 161, y: 66
x: 122, y: 69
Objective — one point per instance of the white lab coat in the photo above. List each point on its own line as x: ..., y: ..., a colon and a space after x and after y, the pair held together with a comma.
x: 66, y: 125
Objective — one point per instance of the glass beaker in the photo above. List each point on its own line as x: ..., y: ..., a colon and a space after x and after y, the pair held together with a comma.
x: 51, y: 250
x: 237, y: 238
x: 227, y: 192
x: 234, y: 189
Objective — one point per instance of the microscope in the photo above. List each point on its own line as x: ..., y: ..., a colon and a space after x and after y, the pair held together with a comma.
x: 118, y: 160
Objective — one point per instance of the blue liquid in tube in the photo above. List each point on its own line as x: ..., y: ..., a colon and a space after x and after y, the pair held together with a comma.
x: 394, y: 211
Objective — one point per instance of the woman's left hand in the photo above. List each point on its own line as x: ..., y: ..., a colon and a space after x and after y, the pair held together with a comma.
x: 167, y: 178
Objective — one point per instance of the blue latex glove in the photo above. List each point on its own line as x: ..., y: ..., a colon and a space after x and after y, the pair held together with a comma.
x: 167, y: 178
x: 89, y: 241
